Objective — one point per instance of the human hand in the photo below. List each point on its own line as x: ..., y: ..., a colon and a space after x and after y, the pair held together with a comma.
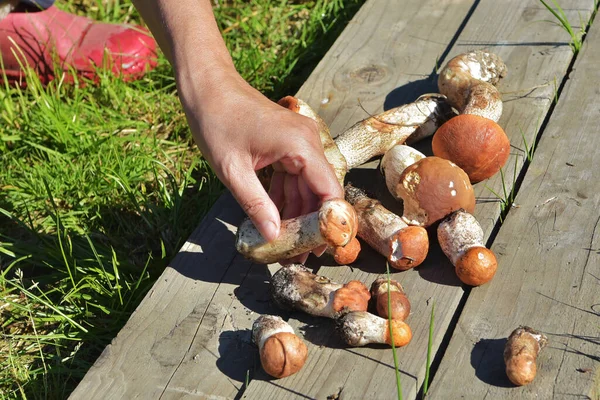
x: 240, y: 131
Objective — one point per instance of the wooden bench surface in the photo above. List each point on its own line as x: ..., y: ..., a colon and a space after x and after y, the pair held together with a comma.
x: 190, y: 337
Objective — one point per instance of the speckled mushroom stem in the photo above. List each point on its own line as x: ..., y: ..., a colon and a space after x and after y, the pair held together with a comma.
x: 362, y: 328
x: 334, y: 224
x: 521, y: 352
x: 375, y: 135
x: 332, y: 153
x: 404, y: 246
x: 395, y: 161
x: 295, y: 287
x: 461, y: 239
x: 282, y: 353
x: 469, y: 79
x: 400, y: 306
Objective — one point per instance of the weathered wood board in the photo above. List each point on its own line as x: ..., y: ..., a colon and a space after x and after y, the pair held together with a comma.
x: 549, y: 252
x: 190, y: 335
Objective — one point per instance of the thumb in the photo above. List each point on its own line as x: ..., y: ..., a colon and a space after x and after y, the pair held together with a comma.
x: 256, y: 203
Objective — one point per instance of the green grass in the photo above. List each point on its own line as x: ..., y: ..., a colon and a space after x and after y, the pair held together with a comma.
x: 101, y: 185
x: 429, y: 351
x: 390, y: 324
x: 576, y: 34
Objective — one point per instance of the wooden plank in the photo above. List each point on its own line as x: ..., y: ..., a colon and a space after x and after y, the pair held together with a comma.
x: 536, y: 54
x: 190, y: 335
x: 549, y: 252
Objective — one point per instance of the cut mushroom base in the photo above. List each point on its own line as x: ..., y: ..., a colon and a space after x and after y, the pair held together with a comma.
x: 335, y: 224
x: 461, y: 239
x: 295, y: 287
x: 362, y: 328
x: 469, y: 79
x: 375, y: 135
x: 404, y: 246
x: 282, y: 353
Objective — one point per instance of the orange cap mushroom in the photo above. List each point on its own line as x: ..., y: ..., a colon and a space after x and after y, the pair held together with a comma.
x: 282, y: 353
x: 347, y: 254
x: 432, y: 188
x: 361, y: 328
x: 476, y: 144
x: 400, y: 309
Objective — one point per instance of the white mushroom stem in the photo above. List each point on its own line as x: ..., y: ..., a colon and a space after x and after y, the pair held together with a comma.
x: 394, y: 161
x: 335, y: 224
x: 459, y: 232
x: 332, y: 153
x: 295, y: 287
x: 362, y: 328
x: 404, y: 246
x: 469, y: 79
x: 375, y: 135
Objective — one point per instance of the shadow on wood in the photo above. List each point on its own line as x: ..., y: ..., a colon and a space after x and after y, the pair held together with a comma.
x: 488, y: 361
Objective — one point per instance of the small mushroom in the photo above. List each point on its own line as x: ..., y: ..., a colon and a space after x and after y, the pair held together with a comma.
x: 404, y: 246
x: 461, y: 239
x: 521, y: 352
x: 334, y: 224
x: 400, y: 306
x: 332, y: 153
x: 469, y: 79
x: 375, y: 135
x: 476, y: 144
x: 295, y: 287
x: 361, y: 328
x: 395, y: 161
x: 344, y: 255
x: 282, y: 353
x: 432, y: 188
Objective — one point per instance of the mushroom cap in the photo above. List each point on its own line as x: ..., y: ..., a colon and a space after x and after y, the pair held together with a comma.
x: 400, y: 305
x: 432, y: 188
x: 521, y: 369
x: 347, y: 254
x: 338, y: 222
x: 408, y: 247
x: 283, y: 354
x: 353, y: 296
x: 476, y: 144
x: 520, y: 354
x: 477, y: 266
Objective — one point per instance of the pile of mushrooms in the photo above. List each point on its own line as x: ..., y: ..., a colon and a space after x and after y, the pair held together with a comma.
x: 434, y: 191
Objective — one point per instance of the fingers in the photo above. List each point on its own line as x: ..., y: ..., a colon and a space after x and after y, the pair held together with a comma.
x: 254, y: 200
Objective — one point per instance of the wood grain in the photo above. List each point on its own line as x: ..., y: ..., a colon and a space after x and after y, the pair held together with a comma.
x: 549, y: 252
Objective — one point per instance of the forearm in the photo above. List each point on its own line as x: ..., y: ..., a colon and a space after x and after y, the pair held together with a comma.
x: 188, y: 34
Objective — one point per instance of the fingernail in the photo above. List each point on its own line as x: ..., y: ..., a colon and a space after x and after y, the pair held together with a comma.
x: 269, y: 230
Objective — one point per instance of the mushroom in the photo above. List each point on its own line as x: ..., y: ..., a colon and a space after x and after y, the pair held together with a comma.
x: 461, y: 239
x: 375, y: 135
x: 476, y: 144
x: 347, y: 254
x: 404, y: 246
x: 295, y: 287
x: 520, y: 354
x: 468, y: 80
x: 361, y: 328
x: 332, y: 153
x: 432, y: 188
x: 395, y: 160
x: 400, y: 306
x: 282, y: 353
x: 334, y: 224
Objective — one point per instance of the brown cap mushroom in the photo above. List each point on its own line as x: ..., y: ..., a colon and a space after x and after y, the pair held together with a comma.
x: 282, y: 353
x: 335, y: 224
x: 521, y: 352
x: 432, y: 188
x: 361, y: 328
x: 461, y: 239
x: 476, y: 144
x: 404, y: 246
x: 400, y: 305
x: 295, y: 287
